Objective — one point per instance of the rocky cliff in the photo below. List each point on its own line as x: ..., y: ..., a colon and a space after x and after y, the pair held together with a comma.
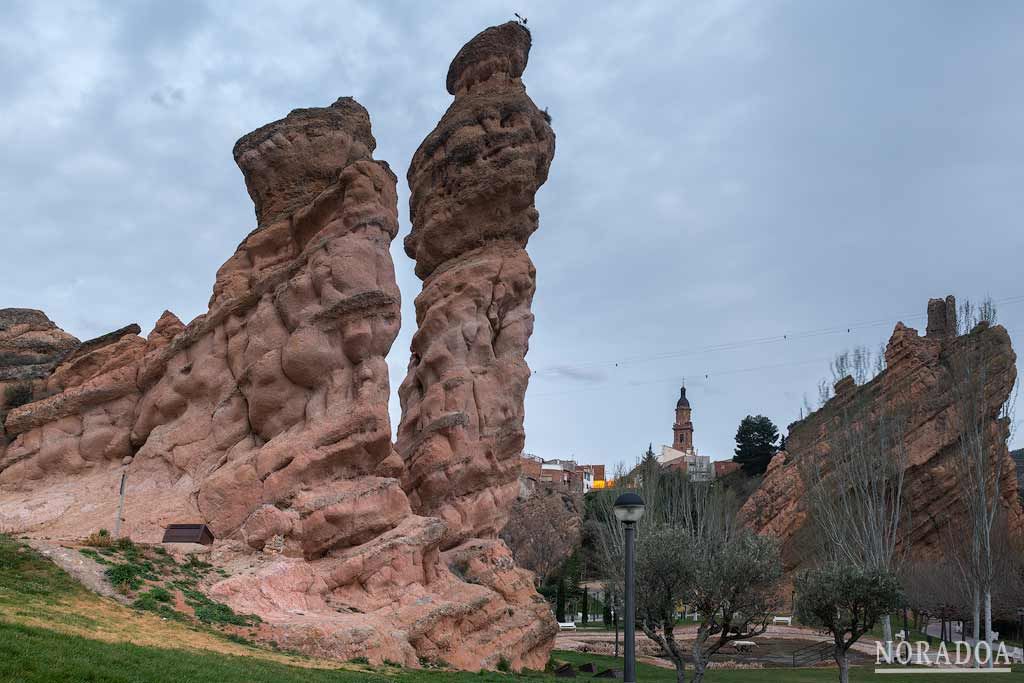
x: 916, y: 384
x: 266, y: 418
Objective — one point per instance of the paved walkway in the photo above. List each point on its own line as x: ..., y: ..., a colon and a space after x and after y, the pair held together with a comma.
x: 600, y: 641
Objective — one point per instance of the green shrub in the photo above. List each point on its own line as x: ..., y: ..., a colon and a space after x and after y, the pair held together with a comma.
x: 504, y: 665
x: 359, y: 660
x: 153, y: 600
x: 100, y: 539
x: 211, y: 612
x: 93, y: 555
x: 219, y: 613
x: 195, y: 563
x: 130, y: 574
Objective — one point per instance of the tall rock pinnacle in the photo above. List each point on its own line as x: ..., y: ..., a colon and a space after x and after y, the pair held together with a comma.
x: 472, y: 182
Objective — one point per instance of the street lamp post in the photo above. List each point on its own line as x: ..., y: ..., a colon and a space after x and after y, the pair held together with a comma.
x: 629, y: 508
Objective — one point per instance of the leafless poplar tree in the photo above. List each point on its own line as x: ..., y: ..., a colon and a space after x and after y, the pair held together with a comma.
x: 855, y: 492
x: 543, y: 530
x: 979, y: 459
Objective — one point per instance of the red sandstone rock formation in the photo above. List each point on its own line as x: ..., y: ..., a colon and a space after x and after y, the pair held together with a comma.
x: 266, y: 417
x: 31, y: 346
x: 472, y: 183
x: 916, y: 381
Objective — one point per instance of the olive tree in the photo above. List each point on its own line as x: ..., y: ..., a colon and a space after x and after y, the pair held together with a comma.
x: 664, y: 577
x: 690, y: 551
x: 846, y: 601
x: 735, y: 591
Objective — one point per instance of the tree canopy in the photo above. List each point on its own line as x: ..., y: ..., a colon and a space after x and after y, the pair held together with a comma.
x: 846, y: 601
x: 690, y: 551
x: 756, y: 444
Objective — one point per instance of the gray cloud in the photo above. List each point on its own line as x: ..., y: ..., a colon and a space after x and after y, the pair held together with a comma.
x: 726, y: 170
x: 575, y: 374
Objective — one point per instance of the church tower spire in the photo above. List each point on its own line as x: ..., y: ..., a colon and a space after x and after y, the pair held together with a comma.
x: 682, y: 430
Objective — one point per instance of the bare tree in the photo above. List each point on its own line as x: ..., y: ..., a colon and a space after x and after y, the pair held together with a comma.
x: 855, y: 493
x: 934, y: 590
x: 880, y: 363
x: 543, y: 530
x: 983, y: 429
x: 860, y: 363
x: 841, y: 366
x: 943, y: 587
x: 824, y: 392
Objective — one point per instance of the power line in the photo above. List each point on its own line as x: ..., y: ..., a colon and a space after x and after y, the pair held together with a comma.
x: 744, y: 343
x: 707, y: 375
x: 725, y: 346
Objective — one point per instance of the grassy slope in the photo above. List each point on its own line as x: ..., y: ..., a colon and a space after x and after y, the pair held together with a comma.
x: 52, y: 629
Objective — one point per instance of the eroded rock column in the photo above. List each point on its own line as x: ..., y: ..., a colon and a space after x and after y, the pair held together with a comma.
x: 473, y: 181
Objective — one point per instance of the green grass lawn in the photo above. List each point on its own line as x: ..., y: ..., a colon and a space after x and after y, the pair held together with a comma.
x: 52, y: 629
x: 37, y: 655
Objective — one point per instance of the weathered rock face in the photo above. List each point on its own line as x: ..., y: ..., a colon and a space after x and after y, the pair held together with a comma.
x: 916, y: 382
x: 1018, y: 459
x: 81, y: 408
x: 266, y: 418
x: 31, y: 345
x: 472, y: 183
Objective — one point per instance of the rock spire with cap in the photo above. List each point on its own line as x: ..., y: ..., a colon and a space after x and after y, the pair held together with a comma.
x: 472, y: 183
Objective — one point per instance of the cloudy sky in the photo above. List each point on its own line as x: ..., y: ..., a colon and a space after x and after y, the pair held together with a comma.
x: 727, y: 173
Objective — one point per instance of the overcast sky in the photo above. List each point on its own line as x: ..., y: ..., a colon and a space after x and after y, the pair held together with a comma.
x: 726, y: 172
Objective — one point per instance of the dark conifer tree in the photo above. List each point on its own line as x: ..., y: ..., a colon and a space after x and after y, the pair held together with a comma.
x: 755, y: 444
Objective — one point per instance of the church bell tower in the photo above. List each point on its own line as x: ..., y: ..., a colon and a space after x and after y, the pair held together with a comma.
x: 682, y: 430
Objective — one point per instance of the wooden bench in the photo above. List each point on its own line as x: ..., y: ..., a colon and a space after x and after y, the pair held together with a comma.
x: 788, y: 621
x: 566, y: 626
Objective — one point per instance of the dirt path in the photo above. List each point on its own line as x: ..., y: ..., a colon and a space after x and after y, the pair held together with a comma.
x: 86, y: 571
x: 574, y: 640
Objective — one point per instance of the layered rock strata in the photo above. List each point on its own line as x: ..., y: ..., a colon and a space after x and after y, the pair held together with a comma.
x: 31, y: 346
x: 267, y: 417
x: 917, y: 384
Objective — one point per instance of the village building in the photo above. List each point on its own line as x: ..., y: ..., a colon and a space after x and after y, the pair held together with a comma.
x: 682, y: 454
x: 560, y: 474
